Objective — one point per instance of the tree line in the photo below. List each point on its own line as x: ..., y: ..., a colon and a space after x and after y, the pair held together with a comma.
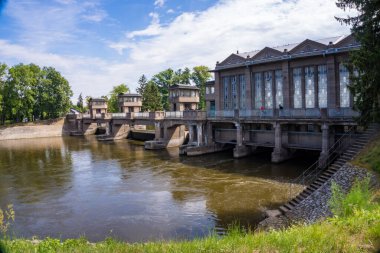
x: 29, y: 92
x: 155, y: 91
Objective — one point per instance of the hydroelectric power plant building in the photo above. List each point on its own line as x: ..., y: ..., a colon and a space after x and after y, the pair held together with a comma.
x: 286, y: 98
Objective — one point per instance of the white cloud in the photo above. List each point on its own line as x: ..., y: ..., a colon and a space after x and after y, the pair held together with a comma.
x: 170, y: 11
x: 159, y: 3
x: 192, y: 38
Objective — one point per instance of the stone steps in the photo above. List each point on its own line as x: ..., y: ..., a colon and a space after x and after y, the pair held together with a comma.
x: 348, y: 155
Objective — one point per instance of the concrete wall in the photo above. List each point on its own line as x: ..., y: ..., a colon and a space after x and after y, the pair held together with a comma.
x: 44, y: 129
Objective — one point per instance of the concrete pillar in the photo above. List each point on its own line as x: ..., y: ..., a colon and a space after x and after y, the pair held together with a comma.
x: 191, y: 133
x: 209, y: 133
x: 200, y: 134
x: 325, y: 146
x: 239, y: 135
x: 108, y: 130
x: 157, y: 132
x: 279, y: 153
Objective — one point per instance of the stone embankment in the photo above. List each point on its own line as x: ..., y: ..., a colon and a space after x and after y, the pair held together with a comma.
x: 316, y: 206
x: 50, y: 128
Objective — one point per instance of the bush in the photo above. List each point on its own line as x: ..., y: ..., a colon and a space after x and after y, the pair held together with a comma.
x: 6, y: 218
x: 359, y: 197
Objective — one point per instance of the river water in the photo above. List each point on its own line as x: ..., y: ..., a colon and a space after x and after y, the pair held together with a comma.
x: 70, y: 187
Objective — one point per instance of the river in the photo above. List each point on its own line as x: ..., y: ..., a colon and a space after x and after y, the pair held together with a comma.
x: 70, y: 187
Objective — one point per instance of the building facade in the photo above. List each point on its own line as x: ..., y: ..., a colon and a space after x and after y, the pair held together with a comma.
x: 129, y: 102
x: 97, y: 107
x: 183, y: 97
x: 289, y: 97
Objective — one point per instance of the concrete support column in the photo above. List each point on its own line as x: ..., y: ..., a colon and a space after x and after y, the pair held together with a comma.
x: 279, y: 153
x: 191, y: 133
x: 200, y: 134
x: 209, y: 133
x: 157, y: 132
x: 108, y: 132
x: 325, y: 146
x: 239, y: 135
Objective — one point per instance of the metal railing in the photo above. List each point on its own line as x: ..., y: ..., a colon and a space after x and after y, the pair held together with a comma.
x: 119, y: 115
x: 314, y: 170
x: 342, y: 113
x: 141, y: 115
x: 86, y: 116
x: 174, y: 115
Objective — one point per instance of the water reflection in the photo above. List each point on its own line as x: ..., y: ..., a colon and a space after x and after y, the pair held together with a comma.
x: 78, y: 186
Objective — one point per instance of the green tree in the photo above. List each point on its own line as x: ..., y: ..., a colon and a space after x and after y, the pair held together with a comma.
x: 142, y: 82
x: 80, y: 105
x: 365, y: 26
x: 200, y: 76
x: 57, y: 93
x: 163, y: 81
x: 3, y: 76
x: 151, y: 100
x: 113, y: 101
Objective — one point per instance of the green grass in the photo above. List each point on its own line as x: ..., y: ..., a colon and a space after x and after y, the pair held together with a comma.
x: 355, y: 231
x: 370, y: 156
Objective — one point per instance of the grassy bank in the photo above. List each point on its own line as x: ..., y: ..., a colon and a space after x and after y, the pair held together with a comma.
x: 370, y: 156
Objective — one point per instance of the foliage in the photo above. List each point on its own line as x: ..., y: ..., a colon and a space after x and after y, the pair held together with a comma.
x: 151, y: 100
x: 30, y: 93
x: 163, y: 81
x: 370, y: 157
x: 200, y: 76
x: 6, y: 218
x: 359, y: 198
x: 366, y: 29
x: 142, y: 84
x: 359, y: 231
x: 80, y: 105
x: 113, y: 99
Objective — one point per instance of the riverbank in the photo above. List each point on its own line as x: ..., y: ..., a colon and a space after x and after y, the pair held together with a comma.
x: 41, y: 129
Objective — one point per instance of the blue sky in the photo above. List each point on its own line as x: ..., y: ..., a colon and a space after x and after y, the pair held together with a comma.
x: 97, y: 44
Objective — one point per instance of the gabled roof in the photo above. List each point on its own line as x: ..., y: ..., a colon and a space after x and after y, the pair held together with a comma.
x: 294, y: 50
x: 308, y: 46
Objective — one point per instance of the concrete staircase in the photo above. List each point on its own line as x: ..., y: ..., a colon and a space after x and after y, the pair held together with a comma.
x: 372, y: 130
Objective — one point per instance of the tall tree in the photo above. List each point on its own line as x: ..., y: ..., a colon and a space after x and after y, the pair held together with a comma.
x: 3, y: 76
x: 80, y: 105
x: 58, y: 93
x: 164, y: 80
x: 365, y: 26
x: 142, y: 82
x: 151, y: 100
x: 113, y: 101
x: 200, y: 76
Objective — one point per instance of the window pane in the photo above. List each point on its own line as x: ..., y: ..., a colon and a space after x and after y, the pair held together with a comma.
x: 242, y: 91
x: 297, y: 88
x: 258, y: 90
x: 344, y: 81
x: 234, y: 92
x: 268, y: 90
x: 309, y: 87
x: 226, y: 91
x: 322, y: 86
x: 279, y: 94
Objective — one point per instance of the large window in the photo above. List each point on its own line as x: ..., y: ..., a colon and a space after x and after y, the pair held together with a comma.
x: 242, y: 91
x: 226, y: 96
x: 322, y: 86
x: 279, y: 94
x: 297, y: 95
x: 309, y: 87
x: 258, y: 91
x: 234, y: 92
x: 268, y: 90
x: 344, y: 81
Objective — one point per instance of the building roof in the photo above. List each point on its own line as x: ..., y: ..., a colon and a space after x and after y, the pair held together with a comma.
x: 98, y: 100
x: 210, y: 83
x: 183, y: 86
x: 294, y: 50
x: 129, y: 95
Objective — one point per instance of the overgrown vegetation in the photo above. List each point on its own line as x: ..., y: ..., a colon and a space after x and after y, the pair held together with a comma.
x: 370, y: 156
x: 354, y: 228
x: 7, y: 216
